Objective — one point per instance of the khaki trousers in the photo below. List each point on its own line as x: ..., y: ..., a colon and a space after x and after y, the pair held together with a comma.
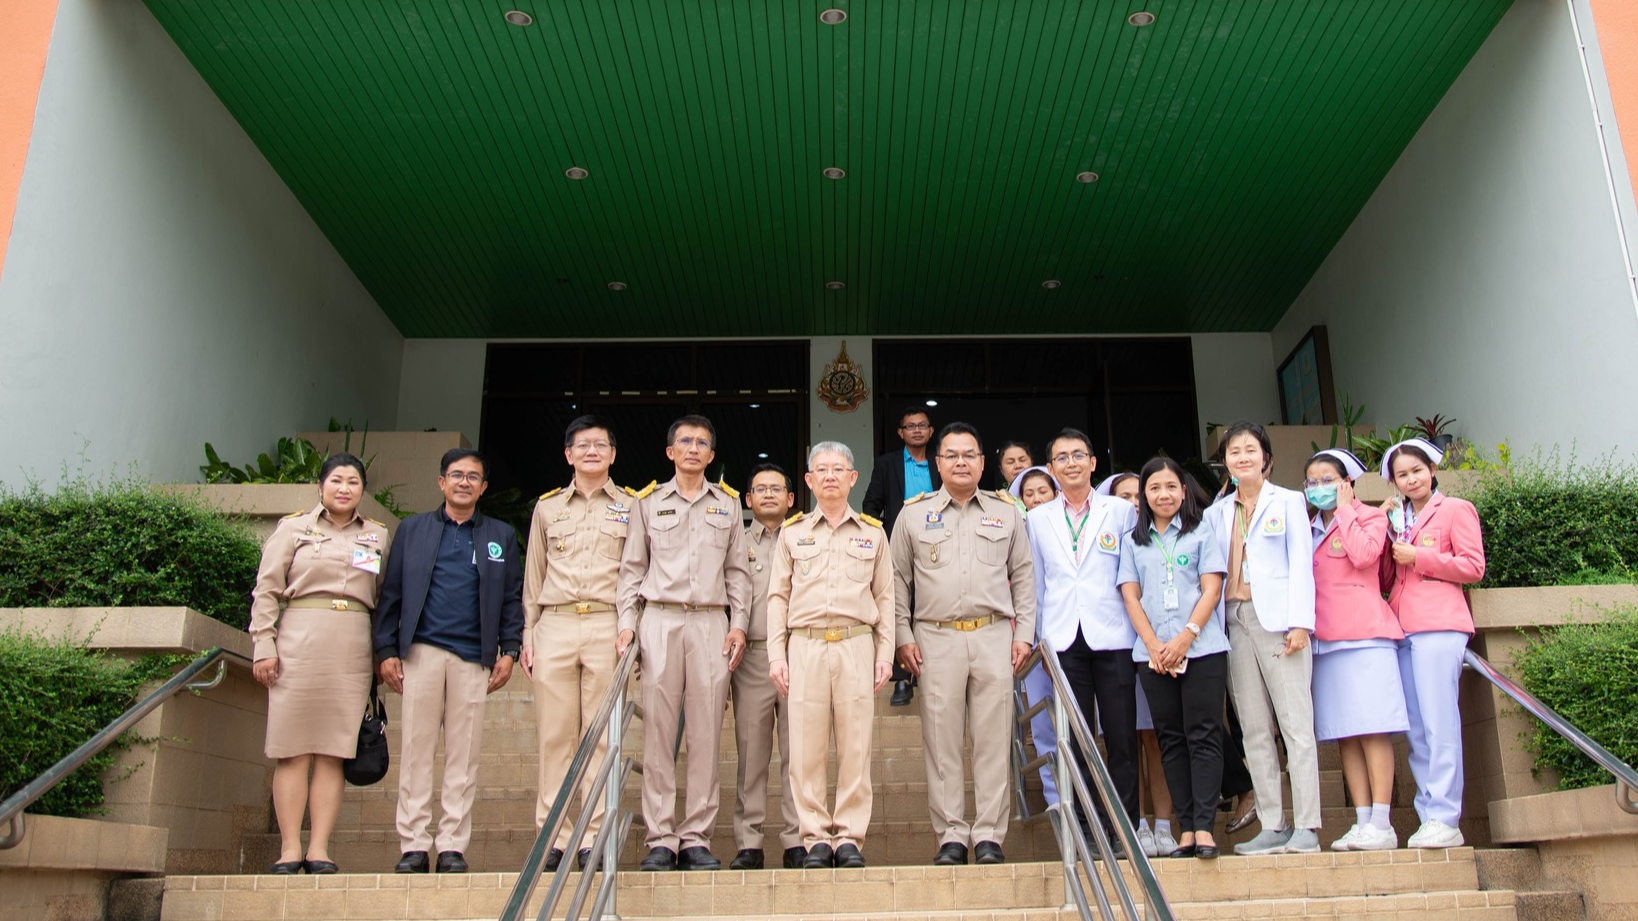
x: 574, y: 664
x: 756, y: 706
x: 1273, y: 691
x: 443, y: 695
x: 684, y: 672
x: 831, y: 691
x: 966, y: 677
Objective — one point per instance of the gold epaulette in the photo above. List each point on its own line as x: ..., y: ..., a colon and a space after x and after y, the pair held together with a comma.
x: 732, y: 494
x: 917, y: 497
x: 379, y: 524
x: 793, y: 519
x: 873, y: 522
x: 1008, y: 496
x: 297, y: 514
x: 550, y: 493
x: 643, y: 493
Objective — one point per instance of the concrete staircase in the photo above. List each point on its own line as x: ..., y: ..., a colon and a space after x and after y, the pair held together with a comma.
x: 898, y: 883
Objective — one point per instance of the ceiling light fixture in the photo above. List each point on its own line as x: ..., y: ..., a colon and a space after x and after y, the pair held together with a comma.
x: 756, y: 405
x: 835, y: 285
x: 575, y: 172
x: 1142, y: 18
x: 932, y: 402
x: 835, y: 172
x: 1087, y: 176
x: 763, y: 455
x: 833, y: 17
x: 617, y: 286
x: 519, y: 18
x: 1051, y: 284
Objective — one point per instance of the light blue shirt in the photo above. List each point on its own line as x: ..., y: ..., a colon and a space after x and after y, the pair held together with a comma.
x: 1193, y: 553
x: 917, y: 477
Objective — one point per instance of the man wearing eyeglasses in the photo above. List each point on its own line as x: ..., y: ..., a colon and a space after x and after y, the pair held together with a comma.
x: 897, y: 476
x: 569, y: 590
x: 684, y: 570
x: 757, y: 702
x: 966, y: 556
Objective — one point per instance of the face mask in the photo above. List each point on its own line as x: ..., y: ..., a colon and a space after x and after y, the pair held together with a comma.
x: 1323, y: 498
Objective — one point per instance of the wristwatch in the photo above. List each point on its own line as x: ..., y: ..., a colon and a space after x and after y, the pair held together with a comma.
x: 1192, y: 627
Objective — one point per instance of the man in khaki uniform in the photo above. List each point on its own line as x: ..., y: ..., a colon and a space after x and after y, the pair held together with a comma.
x: 830, y: 648
x: 569, y: 582
x: 966, y: 556
x: 684, y: 569
x: 756, y: 701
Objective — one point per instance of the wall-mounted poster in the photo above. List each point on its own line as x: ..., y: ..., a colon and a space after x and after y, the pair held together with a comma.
x: 1307, y: 396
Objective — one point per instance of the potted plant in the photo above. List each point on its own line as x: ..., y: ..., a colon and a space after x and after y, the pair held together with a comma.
x: 1434, y: 430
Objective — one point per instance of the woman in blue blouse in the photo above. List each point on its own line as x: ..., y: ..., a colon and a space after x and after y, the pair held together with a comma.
x: 1171, y: 574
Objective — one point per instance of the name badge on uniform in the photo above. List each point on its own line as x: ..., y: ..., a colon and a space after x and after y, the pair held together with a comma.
x: 989, y: 522
x: 665, y: 511
x: 805, y: 541
x: 863, y: 543
x: 1108, y: 543
x: 1274, y: 524
x: 714, y: 510
x: 1168, y: 597
x: 367, y: 560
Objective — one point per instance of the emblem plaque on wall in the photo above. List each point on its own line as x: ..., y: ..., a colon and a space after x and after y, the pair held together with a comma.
x: 842, y: 387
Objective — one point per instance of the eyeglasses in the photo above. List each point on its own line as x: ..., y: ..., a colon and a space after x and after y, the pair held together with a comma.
x: 1328, y: 481
x: 767, y: 490
x: 458, y: 476
x: 967, y: 456
x: 1079, y: 457
x: 917, y: 427
x: 828, y: 470
x: 581, y: 447
x: 685, y: 442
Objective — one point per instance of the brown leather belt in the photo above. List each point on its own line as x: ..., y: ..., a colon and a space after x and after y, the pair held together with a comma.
x: 579, y: 607
x: 965, y: 625
x: 832, y: 634
x: 688, y: 608
x: 327, y: 604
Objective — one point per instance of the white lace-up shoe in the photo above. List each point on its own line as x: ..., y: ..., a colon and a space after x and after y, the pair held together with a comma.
x: 1146, y: 841
x: 1346, y: 842
x: 1435, y: 834
x: 1371, y: 838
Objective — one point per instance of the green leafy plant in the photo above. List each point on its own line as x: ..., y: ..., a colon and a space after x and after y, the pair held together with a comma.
x: 58, y: 694
x: 1551, y: 521
x: 1433, y: 428
x: 1351, y: 415
x: 511, y: 506
x: 1585, y: 672
x: 1370, y: 448
x: 294, y: 460
x: 123, y: 543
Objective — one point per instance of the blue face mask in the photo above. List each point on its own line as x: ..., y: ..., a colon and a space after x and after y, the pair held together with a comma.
x: 1323, y: 498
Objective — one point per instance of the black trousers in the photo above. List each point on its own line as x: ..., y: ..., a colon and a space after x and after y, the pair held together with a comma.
x: 1187, y: 711
x: 1105, y: 682
x: 1236, y: 778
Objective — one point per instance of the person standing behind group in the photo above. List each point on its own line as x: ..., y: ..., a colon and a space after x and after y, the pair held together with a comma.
x: 1033, y: 487
x: 965, y: 556
x: 320, y: 575
x: 449, y: 627
x: 1269, y: 601
x: 1013, y: 458
x: 897, y: 476
x: 830, y: 649
x: 575, y: 541
x: 1358, y: 700
x: 757, y: 702
x: 685, y: 571
x: 1437, y: 547
x: 1171, y: 576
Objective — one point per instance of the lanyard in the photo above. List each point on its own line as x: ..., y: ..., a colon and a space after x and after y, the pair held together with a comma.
x: 1170, y: 553
x: 1243, y: 521
x: 1074, y: 532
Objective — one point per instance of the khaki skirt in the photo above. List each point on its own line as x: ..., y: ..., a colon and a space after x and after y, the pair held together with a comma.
x: 324, y: 681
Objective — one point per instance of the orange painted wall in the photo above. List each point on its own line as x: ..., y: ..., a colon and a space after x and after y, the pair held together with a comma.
x: 25, y: 35
x: 1617, y: 24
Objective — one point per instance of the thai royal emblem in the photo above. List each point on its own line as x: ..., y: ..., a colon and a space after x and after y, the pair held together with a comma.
x: 842, y: 387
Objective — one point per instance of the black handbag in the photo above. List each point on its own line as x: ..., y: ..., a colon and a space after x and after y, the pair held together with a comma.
x: 369, y: 764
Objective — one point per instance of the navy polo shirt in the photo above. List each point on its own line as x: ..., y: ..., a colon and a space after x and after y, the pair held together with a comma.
x: 450, y: 619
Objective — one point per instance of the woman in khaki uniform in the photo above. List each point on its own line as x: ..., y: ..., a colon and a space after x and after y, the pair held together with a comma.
x: 310, y: 625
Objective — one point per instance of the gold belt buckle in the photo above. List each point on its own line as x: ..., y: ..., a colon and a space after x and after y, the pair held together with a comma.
x: 834, y: 636
x: 582, y: 607
x: 967, y: 626
x: 338, y: 604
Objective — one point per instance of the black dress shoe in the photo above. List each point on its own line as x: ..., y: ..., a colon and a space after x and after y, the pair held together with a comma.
x: 451, y: 862
x: 749, y: 858
x: 554, y: 859
x: 988, y: 852
x: 1187, y: 850
x: 412, y: 862
x: 290, y: 867
x: 582, y: 857
x: 320, y: 867
x: 849, y: 858
x: 697, y: 858
x: 953, y: 854
x: 902, y: 692
x: 1206, y: 851
x: 794, y: 857
x: 820, y: 857
x: 659, y: 858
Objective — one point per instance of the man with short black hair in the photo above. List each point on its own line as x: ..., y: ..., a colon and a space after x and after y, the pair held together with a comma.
x: 899, y: 476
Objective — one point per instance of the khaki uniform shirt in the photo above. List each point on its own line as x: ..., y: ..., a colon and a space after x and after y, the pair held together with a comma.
x: 827, y: 576
x: 1234, y: 587
x: 685, y: 552
x: 963, y: 561
x: 575, y: 542
x: 759, y: 554
x: 309, y: 555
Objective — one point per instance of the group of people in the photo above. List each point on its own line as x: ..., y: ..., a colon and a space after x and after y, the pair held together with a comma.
x: 1158, y: 603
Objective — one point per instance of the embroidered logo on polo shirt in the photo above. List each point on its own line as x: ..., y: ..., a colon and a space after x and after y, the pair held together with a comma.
x: 495, y: 553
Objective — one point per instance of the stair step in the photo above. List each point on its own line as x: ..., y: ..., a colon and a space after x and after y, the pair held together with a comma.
x: 1465, y: 905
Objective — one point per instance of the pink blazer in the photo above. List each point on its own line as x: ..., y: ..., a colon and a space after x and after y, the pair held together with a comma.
x: 1347, y: 602
x: 1449, y: 554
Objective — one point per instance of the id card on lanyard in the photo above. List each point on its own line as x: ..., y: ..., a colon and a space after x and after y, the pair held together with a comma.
x: 1168, y: 595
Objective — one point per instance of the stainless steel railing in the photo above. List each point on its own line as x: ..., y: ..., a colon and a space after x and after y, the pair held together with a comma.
x: 1078, y: 853
x: 1626, y: 779
x: 11, y: 811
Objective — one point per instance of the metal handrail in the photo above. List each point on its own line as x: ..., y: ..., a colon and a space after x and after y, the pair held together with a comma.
x: 610, y: 722
x: 1626, y: 779
x: 11, y: 811
x: 1077, y: 852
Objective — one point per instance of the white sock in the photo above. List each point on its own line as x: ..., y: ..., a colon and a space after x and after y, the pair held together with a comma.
x: 1379, y: 816
x: 1362, y: 815
x: 1143, y: 824
x: 1163, y: 826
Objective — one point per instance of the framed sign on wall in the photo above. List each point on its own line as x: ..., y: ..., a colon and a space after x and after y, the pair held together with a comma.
x: 1307, y: 393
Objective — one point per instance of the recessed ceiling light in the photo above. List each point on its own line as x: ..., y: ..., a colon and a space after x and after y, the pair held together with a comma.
x: 617, y: 286
x: 932, y: 402
x: 835, y: 172
x: 763, y: 455
x: 835, y: 285
x: 1088, y: 176
x: 833, y: 17
x: 519, y: 18
x: 1142, y: 18
x: 1051, y: 284
x: 575, y: 172
x: 756, y: 405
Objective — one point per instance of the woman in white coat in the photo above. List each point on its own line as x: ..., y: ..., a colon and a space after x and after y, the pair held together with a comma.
x: 1268, y: 600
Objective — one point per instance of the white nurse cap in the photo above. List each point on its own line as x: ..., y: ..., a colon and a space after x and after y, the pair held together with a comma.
x: 1434, y: 454
x: 1017, y: 487
x: 1351, y: 466
x: 1107, y: 487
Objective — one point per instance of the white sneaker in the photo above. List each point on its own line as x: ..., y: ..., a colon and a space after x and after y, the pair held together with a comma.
x: 1146, y: 841
x: 1303, y: 841
x: 1346, y: 842
x: 1164, y: 844
x: 1371, y: 838
x: 1435, y: 834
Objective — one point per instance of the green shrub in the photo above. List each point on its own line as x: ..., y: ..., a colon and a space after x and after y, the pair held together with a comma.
x: 57, y: 694
x: 1589, y: 674
x: 123, y: 543
x: 1548, y: 522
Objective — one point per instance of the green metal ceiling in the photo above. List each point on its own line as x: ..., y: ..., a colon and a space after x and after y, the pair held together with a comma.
x: 1235, y: 141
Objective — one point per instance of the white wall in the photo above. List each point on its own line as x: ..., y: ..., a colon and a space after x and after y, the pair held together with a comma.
x: 162, y: 286
x: 1234, y: 379
x: 441, y: 386
x: 1484, y: 279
